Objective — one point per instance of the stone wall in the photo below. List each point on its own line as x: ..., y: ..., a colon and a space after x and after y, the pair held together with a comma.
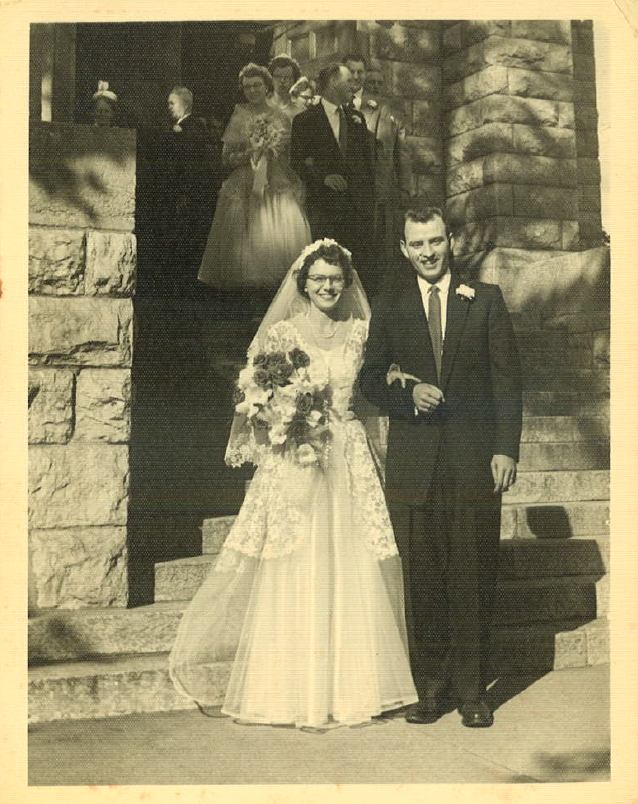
x: 82, y: 259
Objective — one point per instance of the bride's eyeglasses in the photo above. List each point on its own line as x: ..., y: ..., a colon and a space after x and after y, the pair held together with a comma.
x: 319, y: 279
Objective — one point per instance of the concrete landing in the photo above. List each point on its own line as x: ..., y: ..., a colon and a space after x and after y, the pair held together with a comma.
x: 553, y: 728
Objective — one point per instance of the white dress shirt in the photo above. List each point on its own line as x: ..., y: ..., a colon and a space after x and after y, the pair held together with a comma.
x: 333, y: 116
x: 444, y: 287
x: 358, y: 97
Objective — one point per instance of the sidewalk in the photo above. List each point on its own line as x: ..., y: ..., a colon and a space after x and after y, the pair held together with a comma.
x: 549, y: 729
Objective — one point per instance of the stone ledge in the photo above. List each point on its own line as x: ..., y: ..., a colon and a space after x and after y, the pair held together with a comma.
x: 570, y: 456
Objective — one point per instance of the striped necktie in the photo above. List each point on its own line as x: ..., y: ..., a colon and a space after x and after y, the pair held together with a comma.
x: 434, y: 325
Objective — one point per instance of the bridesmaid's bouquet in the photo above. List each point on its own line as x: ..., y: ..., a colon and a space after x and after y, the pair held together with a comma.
x: 285, y: 407
x: 265, y: 135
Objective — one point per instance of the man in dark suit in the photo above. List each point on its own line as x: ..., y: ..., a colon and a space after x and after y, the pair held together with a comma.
x: 453, y: 445
x: 330, y: 150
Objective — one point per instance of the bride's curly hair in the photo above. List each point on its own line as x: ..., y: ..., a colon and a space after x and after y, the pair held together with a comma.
x: 333, y: 255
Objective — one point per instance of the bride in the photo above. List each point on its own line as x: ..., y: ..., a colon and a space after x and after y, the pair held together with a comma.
x: 306, y: 593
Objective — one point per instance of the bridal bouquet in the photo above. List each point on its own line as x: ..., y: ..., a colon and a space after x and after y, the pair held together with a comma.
x: 265, y: 135
x: 285, y: 407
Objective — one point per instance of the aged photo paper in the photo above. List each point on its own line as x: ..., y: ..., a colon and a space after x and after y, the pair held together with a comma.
x: 615, y: 26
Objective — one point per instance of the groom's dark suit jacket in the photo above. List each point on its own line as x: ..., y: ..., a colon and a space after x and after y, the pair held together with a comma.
x: 480, y: 379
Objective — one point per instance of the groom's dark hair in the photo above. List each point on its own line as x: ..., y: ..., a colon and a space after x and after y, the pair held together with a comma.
x: 425, y: 214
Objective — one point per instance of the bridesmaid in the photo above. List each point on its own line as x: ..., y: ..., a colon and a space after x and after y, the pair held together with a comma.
x: 260, y: 225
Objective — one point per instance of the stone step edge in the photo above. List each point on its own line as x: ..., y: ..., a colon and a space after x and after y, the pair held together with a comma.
x: 564, y: 632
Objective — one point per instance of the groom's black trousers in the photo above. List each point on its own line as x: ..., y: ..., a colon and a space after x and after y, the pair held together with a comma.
x: 449, y: 547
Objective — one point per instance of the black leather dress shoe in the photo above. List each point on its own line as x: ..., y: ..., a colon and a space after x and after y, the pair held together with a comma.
x: 476, y: 714
x: 423, y: 712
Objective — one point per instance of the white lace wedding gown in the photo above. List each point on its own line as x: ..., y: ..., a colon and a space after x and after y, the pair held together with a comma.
x: 307, y: 589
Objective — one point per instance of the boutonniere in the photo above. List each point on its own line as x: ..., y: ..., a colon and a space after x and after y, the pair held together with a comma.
x: 357, y: 119
x: 372, y: 104
x: 466, y: 292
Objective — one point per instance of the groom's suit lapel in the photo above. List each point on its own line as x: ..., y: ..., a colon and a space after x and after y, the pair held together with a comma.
x: 457, y: 310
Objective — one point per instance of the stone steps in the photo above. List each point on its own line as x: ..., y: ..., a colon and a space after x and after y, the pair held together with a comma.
x: 559, y: 520
x: 180, y: 579
x: 110, y: 686
x: 565, y: 403
x: 559, y: 486
x: 551, y: 456
x: 561, y: 429
x: 530, y: 570
x: 544, y: 378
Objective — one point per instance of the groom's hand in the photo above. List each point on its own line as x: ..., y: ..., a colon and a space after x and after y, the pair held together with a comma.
x: 426, y: 397
x: 503, y: 472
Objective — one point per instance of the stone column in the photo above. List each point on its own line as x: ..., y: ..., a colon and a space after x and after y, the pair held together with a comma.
x: 519, y: 169
x: 409, y: 54
x: 82, y: 258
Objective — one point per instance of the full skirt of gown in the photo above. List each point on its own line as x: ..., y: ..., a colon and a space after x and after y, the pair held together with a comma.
x: 316, y: 626
x: 255, y: 238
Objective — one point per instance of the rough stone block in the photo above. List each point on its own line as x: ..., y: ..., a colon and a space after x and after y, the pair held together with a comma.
x: 430, y: 189
x: 452, y: 39
x: 585, y: 93
x: 544, y: 141
x: 511, y: 168
x: 598, y: 649
x: 536, y: 201
x: 81, y: 176
x: 566, y: 283
x: 56, y: 261
x: 407, y: 44
x: 426, y: 119
x: 587, y: 143
x: 602, y: 596
x: 502, y: 109
x: 534, y: 84
x: 79, y: 567
x: 509, y: 52
x: 111, y: 259
x: 548, y: 457
x: 484, y: 202
x: 570, y: 235
x: 590, y: 228
x: 510, y: 233
x: 50, y: 406
x: 486, y: 82
x: 570, y: 650
x: 543, y: 30
x: 589, y: 199
x: 584, y: 66
x: 415, y: 81
x: 78, y: 485
x: 601, y: 349
x: 586, y: 117
x: 83, y: 331
x: 529, y: 169
x: 564, y: 429
x: 427, y: 154
x: 549, y: 487
x: 582, y: 37
x: 214, y: 533
x: 484, y: 140
x: 103, y: 405
x: 566, y: 118
x: 474, y: 31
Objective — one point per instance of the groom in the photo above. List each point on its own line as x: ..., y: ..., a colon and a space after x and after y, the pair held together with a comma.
x: 452, y: 450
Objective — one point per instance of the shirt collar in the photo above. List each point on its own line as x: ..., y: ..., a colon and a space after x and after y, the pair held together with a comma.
x: 329, y: 107
x: 183, y: 118
x: 443, y: 284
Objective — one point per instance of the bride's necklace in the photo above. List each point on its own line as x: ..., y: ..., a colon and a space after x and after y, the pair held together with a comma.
x: 327, y: 337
